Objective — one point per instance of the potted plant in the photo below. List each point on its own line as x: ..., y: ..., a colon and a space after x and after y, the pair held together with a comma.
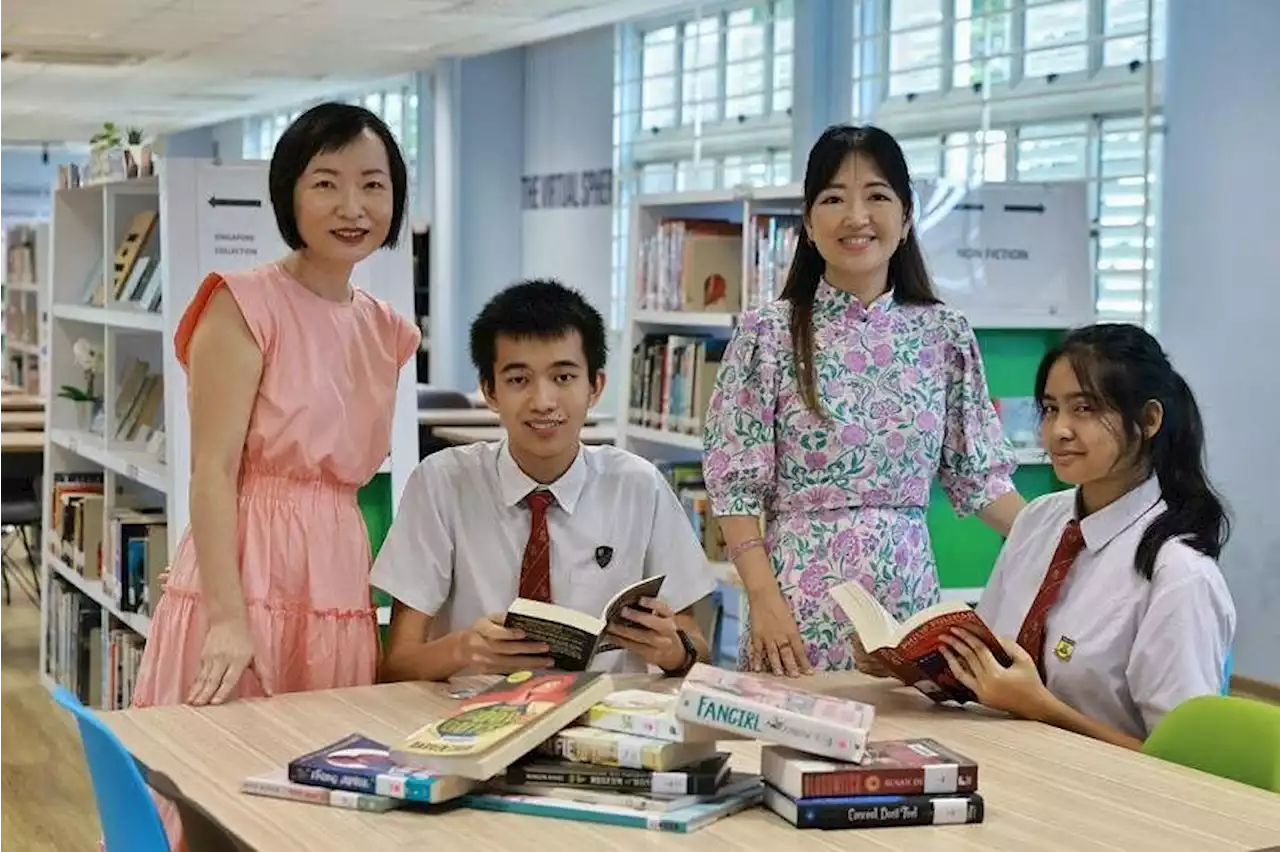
x: 105, y: 153
x: 137, y: 155
x: 89, y: 359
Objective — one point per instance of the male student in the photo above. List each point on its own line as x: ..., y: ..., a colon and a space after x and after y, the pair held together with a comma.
x: 537, y: 515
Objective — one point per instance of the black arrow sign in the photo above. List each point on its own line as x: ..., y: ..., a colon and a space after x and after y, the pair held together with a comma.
x: 1024, y: 208
x: 215, y: 201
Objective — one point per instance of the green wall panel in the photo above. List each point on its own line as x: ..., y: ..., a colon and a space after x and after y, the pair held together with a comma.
x: 378, y: 508
x: 966, y: 548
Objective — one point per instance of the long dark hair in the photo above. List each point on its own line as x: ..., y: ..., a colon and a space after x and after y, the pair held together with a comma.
x: 1123, y: 369
x: 908, y: 276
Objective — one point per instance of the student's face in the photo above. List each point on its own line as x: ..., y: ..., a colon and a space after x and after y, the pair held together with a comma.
x: 1086, y: 442
x: 542, y: 394
x: 857, y: 223
x: 344, y: 201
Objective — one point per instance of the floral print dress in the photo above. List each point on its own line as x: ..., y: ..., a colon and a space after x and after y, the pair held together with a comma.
x: 844, y: 498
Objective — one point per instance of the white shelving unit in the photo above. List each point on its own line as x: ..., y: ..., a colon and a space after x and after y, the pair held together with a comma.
x: 190, y: 238
x: 744, y: 206
x: 26, y: 289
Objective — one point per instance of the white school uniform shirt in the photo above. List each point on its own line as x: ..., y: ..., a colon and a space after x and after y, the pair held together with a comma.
x: 1118, y: 648
x: 457, y: 542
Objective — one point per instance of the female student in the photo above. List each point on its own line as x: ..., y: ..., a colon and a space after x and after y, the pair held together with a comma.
x: 292, y: 375
x: 834, y: 409
x: 1111, y: 588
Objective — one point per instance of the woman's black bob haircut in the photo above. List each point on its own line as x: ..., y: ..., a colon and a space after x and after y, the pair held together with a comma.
x: 321, y: 129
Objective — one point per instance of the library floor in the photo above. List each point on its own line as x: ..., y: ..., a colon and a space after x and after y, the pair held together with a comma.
x: 46, y: 801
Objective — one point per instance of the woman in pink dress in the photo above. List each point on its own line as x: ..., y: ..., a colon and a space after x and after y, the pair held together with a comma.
x: 292, y: 376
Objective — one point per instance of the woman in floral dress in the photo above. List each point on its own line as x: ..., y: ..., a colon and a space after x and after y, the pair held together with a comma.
x: 834, y: 409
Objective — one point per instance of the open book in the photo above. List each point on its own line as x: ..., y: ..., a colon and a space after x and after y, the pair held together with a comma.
x: 576, y: 637
x: 909, y: 649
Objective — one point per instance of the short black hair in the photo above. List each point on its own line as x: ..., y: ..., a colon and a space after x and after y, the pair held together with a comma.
x: 323, y: 128
x: 539, y: 308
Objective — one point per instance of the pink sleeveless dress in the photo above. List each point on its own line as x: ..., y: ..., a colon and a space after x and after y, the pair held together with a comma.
x: 320, y: 429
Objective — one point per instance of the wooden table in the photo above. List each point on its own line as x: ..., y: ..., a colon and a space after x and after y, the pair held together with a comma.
x: 21, y: 420
x: 19, y: 401
x: 475, y: 434
x: 22, y: 442
x: 1046, y: 790
x: 482, y: 417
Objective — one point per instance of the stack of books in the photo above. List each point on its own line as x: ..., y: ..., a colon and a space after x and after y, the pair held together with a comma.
x: 819, y: 765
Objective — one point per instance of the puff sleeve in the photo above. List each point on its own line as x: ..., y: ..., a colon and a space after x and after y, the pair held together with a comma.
x: 739, y: 435
x: 977, y: 463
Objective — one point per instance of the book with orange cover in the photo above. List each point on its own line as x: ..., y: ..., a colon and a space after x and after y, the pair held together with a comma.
x: 910, y: 649
x: 497, y: 726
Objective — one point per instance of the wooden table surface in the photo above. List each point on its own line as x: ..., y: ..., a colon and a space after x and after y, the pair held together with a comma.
x: 19, y: 401
x: 475, y: 434
x: 21, y: 442
x: 1046, y: 790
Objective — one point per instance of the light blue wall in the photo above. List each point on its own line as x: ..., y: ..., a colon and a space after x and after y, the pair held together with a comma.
x: 1219, y: 300
x: 26, y: 181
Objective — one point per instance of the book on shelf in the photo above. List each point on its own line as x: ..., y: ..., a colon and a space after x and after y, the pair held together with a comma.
x: 357, y: 764
x: 691, y: 265
x: 672, y: 380
x: 645, y: 713
x: 494, y: 728
x: 581, y: 744
x: 767, y: 710
x: 876, y: 811
x: 575, y: 637
x: 773, y: 245
x: 910, y: 649
x: 702, y: 778
x: 900, y: 767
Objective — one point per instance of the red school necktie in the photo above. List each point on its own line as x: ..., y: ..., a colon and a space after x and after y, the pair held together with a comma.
x: 535, y: 569
x: 1031, y: 636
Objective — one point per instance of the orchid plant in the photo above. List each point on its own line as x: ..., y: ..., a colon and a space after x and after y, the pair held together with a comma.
x: 88, y: 358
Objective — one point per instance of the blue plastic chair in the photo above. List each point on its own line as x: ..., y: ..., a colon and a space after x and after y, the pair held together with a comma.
x: 126, y: 810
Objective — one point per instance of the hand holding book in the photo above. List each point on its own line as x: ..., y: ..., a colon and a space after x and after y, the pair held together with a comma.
x: 1016, y: 688
x: 651, y: 631
x: 487, y: 647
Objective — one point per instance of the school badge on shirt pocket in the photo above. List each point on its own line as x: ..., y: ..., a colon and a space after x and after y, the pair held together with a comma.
x: 604, y: 555
x: 1065, y: 648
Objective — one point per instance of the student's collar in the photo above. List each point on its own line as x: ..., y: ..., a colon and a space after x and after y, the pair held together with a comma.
x: 516, y: 484
x: 1108, y: 522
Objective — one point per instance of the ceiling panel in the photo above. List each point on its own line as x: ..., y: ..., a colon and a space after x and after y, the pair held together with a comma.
x: 185, y: 63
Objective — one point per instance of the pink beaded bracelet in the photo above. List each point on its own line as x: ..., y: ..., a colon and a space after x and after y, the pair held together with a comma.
x: 741, y: 548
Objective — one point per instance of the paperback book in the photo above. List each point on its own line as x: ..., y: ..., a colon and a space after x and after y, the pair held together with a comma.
x: 902, y: 767
x: 648, y: 714
x: 876, y: 811
x: 611, y: 748
x: 359, y: 764
x: 497, y: 726
x: 910, y: 649
x: 773, y: 713
x: 575, y: 638
x: 276, y: 784
x: 697, y: 779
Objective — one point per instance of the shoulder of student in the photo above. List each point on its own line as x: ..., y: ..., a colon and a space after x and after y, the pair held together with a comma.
x: 1177, y: 562
x: 455, y: 466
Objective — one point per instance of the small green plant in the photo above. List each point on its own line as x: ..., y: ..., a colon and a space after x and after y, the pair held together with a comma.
x: 106, y: 138
x: 133, y: 136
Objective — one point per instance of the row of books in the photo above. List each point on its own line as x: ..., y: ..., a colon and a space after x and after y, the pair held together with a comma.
x: 21, y: 264
x: 99, y: 668
x: 568, y: 745
x: 136, y: 276
x: 672, y: 379
x: 139, y: 409
x: 697, y: 264
x: 126, y: 551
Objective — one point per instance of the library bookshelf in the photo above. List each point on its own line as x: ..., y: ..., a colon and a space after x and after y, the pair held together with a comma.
x: 744, y: 238
x: 26, y: 287
x: 128, y: 256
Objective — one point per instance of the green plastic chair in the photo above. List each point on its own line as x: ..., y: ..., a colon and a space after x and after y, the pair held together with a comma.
x: 1224, y: 735
x: 378, y: 508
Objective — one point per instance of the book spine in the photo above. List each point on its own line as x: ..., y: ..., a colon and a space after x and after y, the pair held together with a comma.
x: 623, y: 750
x: 716, y: 709
x: 660, y: 726
x: 928, y: 780
x: 318, y: 777
x: 616, y: 778
x: 285, y: 790
x: 890, y: 811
